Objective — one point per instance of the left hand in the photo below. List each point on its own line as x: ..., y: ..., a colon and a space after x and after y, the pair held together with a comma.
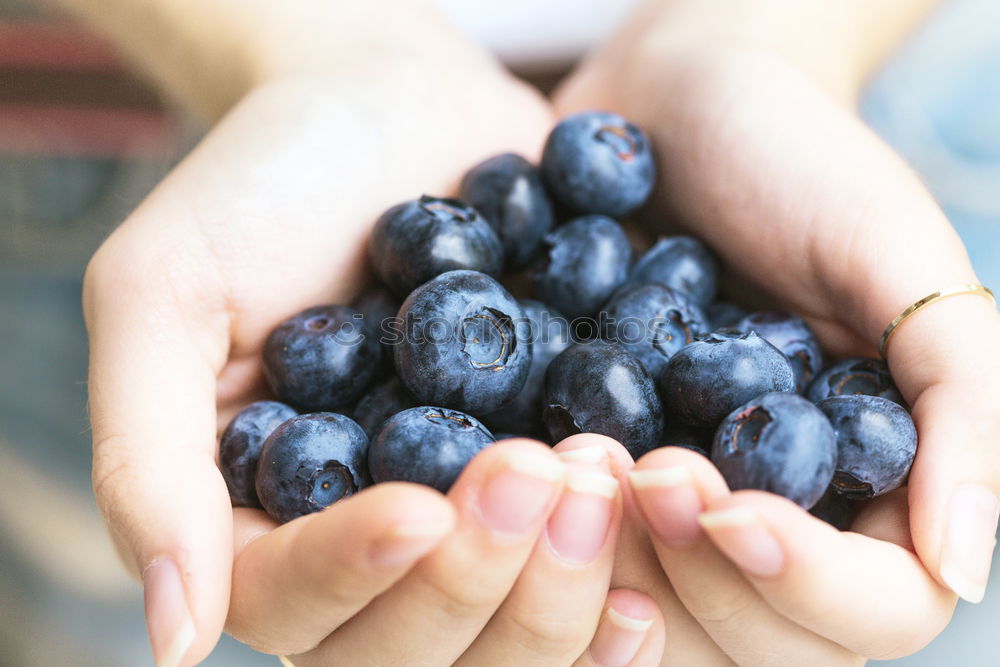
x: 806, y: 206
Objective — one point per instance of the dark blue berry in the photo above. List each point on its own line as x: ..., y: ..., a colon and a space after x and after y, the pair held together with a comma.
x: 507, y: 190
x: 382, y: 402
x: 582, y: 263
x: 790, y: 334
x: 854, y: 376
x: 462, y: 348
x: 598, y: 387
x: 837, y: 510
x: 777, y: 442
x: 418, y: 240
x: 310, y: 462
x: 876, y: 443
x: 709, y: 378
x: 678, y: 434
x: 597, y: 162
x: 681, y: 262
x: 239, y: 448
x: 652, y: 322
x: 724, y: 315
x: 548, y: 333
x: 324, y: 358
x: 426, y: 445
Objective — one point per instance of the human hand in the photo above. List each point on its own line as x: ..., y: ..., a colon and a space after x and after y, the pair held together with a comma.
x: 807, y: 207
x: 269, y: 215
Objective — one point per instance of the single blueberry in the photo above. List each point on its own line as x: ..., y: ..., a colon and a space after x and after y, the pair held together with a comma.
x: 382, y: 402
x: 837, y: 510
x: 777, y: 442
x: 724, y: 315
x: 681, y: 262
x: 324, y: 358
x: 854, y: 376
x: 598, y: 387
x: 310, y: 462
x: 426, y: 445
x: 707, y: 379
x: 790, y: 334
x: 548, y: 334
x: 239, y: 447
x: 597, y: 162
x: 652, y: 322
x: 418, y: 240
x: 461, y: 347
x: 378, y: 306
x: 508, y: 191
x: 876, y: 443
x: 582, y: 263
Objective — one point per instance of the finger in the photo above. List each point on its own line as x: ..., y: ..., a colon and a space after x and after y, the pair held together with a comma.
x: 155, y: 351
x: 294, y: 585
x: 630, y: 633
x: 951, y: 374
x: 503, y: 499
x: 807, y: 569
x: 552, y: 611
x: 672, y: 487
x: 636, y: 565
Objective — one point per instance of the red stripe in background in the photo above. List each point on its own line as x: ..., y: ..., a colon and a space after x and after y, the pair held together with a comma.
x: 54, y: 46
x: 119, y: 133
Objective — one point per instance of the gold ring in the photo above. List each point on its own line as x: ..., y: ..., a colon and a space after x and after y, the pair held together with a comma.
x: 978, y: 290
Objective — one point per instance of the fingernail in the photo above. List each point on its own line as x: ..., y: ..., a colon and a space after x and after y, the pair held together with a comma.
x: 171, y: 628
x: 744, y: 538
x: 618, y: 639
x: 578, y: 528
x: 517, y: 494
x: 670, y: 503
x: 593, y: 454
x: 969, y: 541
x: 405, y: 543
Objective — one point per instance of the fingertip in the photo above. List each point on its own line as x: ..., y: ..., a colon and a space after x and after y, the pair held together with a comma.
x: 630, y: 632
x: 595, y: 448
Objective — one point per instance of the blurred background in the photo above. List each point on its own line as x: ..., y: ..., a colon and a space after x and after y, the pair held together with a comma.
x: 82, y: 141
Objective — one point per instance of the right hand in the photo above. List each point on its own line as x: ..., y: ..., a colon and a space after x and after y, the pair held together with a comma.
x: 270, y: 215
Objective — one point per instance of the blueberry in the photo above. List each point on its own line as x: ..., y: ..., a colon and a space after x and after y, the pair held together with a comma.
x: 854, y: 376
x: 790, y: 334
x: 837, y: 510
x: 777, y: 442
x: 378, y: 306
x: 309, y: 462
x: 706, y: 380
x: 239, y: 447
x: 321, y: 359
x: 508, y: 191
x: 418, y: 240
x: 582, y: 263
x: 597, y: 162
x: 876, y: 443
x: 382, y: 402
x: 548, y: 333
x: 426, y: 445
x: 724, y: 315
x: 652, y: 322
x: 462, y: 348
x: 598, y: 387
x: 681, y: 262
x: 678, y: 434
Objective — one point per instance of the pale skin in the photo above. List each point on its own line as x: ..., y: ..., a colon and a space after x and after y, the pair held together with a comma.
x: 323, y: 124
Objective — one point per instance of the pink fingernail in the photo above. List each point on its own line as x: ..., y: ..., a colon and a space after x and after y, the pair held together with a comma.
x: 171, y: 628
x: 670, y: 503
x: 970, y: 537
x: 618, y: 639
x: 578, y: 528
x: 517, y: 495
x: 744, y: 538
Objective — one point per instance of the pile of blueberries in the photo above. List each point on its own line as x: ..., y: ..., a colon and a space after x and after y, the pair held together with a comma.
x: 439, y: 361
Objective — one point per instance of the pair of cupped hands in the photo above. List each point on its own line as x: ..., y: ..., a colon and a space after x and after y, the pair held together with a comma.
x: 568, y: 555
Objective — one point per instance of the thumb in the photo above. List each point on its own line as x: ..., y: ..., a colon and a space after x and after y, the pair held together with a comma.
x: 152, y: 383
x: 946, y: 360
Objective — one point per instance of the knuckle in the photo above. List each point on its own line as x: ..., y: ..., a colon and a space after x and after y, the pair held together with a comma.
x: 545, y: 634
x: 722, y: 608
x: 458, y: 597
